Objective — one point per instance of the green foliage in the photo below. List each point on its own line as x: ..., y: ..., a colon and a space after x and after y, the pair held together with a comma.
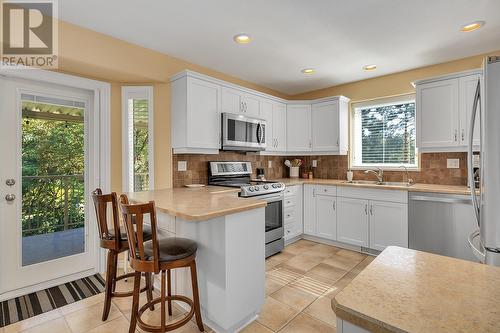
x: 140, y: 137
x: 53, y: 182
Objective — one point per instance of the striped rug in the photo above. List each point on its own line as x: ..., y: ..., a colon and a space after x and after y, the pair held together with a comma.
x: 27, y: 306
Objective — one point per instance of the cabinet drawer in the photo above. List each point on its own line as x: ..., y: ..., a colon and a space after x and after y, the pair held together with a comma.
x: 290, y: 216
x: 291, y: 190
x: 373, y: 194
x: 325, y: 190
x: 289, y: 231
x: 290, y: 202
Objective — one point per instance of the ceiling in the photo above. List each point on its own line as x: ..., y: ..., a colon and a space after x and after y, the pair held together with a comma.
x: 335, y: 37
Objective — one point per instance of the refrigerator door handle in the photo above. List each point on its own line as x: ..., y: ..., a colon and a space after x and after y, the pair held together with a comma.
x: 477, y: 101
x: 480, y: 255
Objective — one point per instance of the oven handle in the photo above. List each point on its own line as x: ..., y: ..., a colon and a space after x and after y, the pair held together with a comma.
x: 259, y: 133
x: 271, y: 197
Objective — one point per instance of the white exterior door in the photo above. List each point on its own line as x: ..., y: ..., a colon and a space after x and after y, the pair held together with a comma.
x: 388, y: 224
x: 326, y: 216
x: 298, y: 128
x: 437, y: 114
x: 352, y: 221
x: 50, y: 164
x: 325, y: 122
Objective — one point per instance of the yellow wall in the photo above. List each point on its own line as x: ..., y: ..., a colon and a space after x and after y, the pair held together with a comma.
x: 90, y: 54
x: 393, y: 84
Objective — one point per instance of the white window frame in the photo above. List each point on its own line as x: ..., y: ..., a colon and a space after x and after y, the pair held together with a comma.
x: 143, y: 92
x: 380, y: 102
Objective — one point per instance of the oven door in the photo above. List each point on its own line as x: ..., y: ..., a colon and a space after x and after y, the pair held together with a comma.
x: 274, y: 217
x: 243, y: 133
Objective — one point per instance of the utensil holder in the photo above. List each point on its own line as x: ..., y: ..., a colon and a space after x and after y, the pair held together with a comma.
x: 294, y: 172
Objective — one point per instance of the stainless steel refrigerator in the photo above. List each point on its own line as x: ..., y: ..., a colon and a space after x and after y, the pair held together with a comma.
x: 485, y: 242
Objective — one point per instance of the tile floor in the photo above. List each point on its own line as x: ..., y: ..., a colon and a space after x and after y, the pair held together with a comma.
x: 300, y: 284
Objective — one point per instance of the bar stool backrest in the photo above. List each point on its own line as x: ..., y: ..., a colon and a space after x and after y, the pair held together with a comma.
x: 109, y: 239
x: 133, y: 218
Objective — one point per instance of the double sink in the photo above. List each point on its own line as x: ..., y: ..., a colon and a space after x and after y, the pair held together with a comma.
x: 374, y: 182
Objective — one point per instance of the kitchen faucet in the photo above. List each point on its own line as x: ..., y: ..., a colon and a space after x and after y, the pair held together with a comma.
x: 409, y: 181
x: 379, y: 174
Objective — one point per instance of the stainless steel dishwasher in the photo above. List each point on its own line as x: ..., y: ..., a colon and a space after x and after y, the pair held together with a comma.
x: 441, y: 224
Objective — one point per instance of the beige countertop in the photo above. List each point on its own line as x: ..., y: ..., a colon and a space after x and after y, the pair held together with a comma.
x: 449, y: 189
x: 405, y: 290
x: 197, y: 204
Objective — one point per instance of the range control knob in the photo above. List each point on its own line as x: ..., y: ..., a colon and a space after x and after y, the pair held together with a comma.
x: 266, y: 187
x: 278, y: 185
x: 251, y: 188
x: 274, y: 185
x: 257, y: 188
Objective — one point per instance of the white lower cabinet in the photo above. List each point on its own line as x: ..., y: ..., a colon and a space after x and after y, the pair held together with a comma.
x: 309, y: 210
x: 326, y: 217
x: 352, y: 224
x: 388, y: 224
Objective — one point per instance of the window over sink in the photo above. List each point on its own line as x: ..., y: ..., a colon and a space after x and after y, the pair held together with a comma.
x: 384, y: 134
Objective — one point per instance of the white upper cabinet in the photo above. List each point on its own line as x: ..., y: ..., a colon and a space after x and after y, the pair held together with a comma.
x: 196, y: 107
x: 275, y: 115
x: 330, y: 126
x: 467, y: 85
x: 437, y: 114
x: 239, y: 102
x: 444, y: 108
x: 298, y: 128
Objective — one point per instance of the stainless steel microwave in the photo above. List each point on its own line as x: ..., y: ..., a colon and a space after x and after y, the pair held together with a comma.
x: 243, y: 133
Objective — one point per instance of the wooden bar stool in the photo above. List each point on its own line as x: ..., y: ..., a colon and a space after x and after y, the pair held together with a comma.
x: 115, y: 241
x: 158, y: 255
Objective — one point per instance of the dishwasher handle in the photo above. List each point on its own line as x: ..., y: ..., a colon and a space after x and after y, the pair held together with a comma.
x: 450, y: 200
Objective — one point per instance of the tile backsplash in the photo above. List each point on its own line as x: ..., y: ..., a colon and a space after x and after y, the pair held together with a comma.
x: 433, y: 167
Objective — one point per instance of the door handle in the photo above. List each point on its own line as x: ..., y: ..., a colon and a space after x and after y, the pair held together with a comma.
x: 10, y: 197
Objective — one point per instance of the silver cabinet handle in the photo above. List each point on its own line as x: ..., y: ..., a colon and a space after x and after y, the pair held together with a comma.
x: 338, y: 141
x: 10, y: 182
x: 10, y: 197
x: 366, y: 209
x: 371, y: 210
x: 334, y: 205
x: 463, y: 134
x: 456, y: 136
x: 314, y: 192
x: 310, y: 144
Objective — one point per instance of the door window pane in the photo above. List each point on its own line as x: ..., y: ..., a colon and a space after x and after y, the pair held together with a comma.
x: 53, y: 161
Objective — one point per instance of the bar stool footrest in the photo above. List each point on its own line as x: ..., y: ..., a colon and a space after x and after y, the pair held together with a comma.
x: 171, y: 326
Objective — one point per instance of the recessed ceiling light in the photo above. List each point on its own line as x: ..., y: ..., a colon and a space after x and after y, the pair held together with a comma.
x: 242, y: 38
x: 472, y: 26
x: 308, y: 71
x: 370, y: 67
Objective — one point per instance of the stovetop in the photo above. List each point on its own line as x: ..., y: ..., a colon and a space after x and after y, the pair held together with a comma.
x: 238, y: 174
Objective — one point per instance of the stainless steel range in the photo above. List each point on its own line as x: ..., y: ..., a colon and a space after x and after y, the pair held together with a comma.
x: 238, y: 174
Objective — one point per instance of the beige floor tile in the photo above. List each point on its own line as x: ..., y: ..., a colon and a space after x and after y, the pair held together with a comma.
x: 299, y: 246
x: 316, y: 285
x: 58, y: 325
x: 85, y: 303
x: 330, y: 273
x: 274, y: 314
x: 283, y: 274
x: 273, y: 285
x: 114, y: 326
x: 306, y: 324
x: 322, y: 309
x: 88, y: 318
x: 323, y: 250
x: 296, y: 298
x: 362, y: 265
x: 352, y: 254
x: 343, y: 262
x: 255, y: 327
x: 304, y: 262
x: 32, y: 322
x: 272, y: 263
x: 338, y: 286
x: 282, y: 256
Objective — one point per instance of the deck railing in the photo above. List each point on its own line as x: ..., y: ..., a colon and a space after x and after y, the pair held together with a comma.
x: 52, y: 203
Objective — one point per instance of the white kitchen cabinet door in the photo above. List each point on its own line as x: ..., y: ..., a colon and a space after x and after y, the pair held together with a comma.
x: 325, y: 126
x: 388, y: 224
x: 279, y: 126
x: 203, y: 116
x: 437, y: 114
x: 467, y: 85
x: 298, y: 127
x: 266, y: 113
x: 309, y: 210
x: 352, y: 221
x: 251, y: 105
x: 326, y: 217
x: 232, y: 101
